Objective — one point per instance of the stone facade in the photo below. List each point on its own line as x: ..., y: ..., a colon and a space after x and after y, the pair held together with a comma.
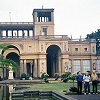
x: 41, y: 51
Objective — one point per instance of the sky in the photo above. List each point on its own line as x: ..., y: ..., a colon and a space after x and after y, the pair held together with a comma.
x: 71, y: 17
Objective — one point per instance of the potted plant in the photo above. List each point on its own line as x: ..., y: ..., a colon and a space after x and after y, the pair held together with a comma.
x: 44, y: 76
x: 23, y: 76
x: 73, y: 78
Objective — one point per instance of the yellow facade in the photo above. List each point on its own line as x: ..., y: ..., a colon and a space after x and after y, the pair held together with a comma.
x: 46, y: 52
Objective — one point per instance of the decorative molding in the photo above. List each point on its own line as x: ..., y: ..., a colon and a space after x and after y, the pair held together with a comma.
x: 21, y: 46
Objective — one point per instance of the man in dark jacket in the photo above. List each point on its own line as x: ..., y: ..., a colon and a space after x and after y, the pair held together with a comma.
x: 79, y: 80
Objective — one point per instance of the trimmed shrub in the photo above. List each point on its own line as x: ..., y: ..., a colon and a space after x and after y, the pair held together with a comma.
x: 23, y: 76
x: 56, y: 76
x: 65, y: 76
x: 44, y: 76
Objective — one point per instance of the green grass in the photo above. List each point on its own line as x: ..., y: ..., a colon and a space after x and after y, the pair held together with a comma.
x: 58, y: 86
x: 52, y: 86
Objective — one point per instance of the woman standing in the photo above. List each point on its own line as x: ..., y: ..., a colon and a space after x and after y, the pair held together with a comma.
x: 94, y: 79
x: 86, y: 79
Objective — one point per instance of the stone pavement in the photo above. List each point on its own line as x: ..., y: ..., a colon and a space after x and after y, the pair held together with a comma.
x: 20, y: 81
x: 85, y: 97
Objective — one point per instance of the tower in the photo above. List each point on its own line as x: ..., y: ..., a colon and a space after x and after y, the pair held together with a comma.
x: 43, y: 20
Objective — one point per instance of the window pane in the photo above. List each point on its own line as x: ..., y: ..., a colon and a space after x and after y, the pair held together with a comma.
x: 44, y: 31
x: 86, y: 65
x: 76, y: 65
x: 98, y: 66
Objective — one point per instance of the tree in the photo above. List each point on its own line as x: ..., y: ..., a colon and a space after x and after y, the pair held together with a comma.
x: 72, y: 77
x: 95, y: 35
x: 5, y: 63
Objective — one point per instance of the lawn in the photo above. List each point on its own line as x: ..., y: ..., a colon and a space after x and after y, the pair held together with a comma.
x: 58, y: 86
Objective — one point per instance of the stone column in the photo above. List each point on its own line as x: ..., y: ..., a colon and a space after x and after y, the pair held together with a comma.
x: 21, y: 67
x: 31, y: 64
x: 35, y: 68
x: 7, y: 33
x: 81, y: 66
x: 23, y: 34
x: 25, y: 70
x: 52, y: 16
x: 28, y: 33
x: 12, y: 33
x: 17, y: 33
x: 35, y: 16
x: 60, y: 67
x: 72, y: 67
x: 0, y: 33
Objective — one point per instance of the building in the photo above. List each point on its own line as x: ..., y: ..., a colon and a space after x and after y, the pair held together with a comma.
x: 36, y: 49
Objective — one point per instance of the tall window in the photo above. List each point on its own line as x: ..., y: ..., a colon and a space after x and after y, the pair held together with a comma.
x: 98, y: 66
x: 44, y: 31
x: 86, y: 65
x: 76, y: 65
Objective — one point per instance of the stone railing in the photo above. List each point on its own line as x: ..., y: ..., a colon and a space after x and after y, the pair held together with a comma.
x: 18, y: 23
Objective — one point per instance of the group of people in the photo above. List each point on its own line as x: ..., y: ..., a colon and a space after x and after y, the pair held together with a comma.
x: 86, y: 80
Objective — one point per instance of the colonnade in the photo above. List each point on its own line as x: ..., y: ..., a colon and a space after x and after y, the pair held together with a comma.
x: 33, y: 67
x: 16, y: 33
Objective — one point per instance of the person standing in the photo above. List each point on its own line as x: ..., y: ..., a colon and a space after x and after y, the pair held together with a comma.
x: 79, y: 80
x: 86, y: 79
x: 94, y: 79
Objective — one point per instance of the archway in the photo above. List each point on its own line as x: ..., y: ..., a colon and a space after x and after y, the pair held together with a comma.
x: 53, y: 60
x: 15, y: 57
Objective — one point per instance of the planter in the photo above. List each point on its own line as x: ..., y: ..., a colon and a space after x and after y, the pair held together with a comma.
x: 23, y: 78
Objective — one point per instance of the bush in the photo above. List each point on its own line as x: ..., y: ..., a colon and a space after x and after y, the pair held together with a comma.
x: 56, y: 76
x: 23, y: 76
x: 44, y: 76
x: 72, y: 77
x: 65, y: 76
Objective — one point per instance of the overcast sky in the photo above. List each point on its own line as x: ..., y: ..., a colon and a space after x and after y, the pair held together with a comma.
x: 72, y: 17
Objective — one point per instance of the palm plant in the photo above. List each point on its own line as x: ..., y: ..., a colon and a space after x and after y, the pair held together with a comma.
x: 5, y: 63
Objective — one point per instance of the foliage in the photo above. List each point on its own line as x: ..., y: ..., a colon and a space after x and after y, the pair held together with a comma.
x: 95, y: 35
x: 44, y: 76
x: 98, y: 74
x: 72, y: 77
x: 56, y: 76
x: 5, y: 63
x: 4, y: 46
x: 23, y: 75
x: 65, y: 75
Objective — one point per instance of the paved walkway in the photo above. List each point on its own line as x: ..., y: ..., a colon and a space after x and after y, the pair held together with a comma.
x: 85, y: 97
x: 20, y: 81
